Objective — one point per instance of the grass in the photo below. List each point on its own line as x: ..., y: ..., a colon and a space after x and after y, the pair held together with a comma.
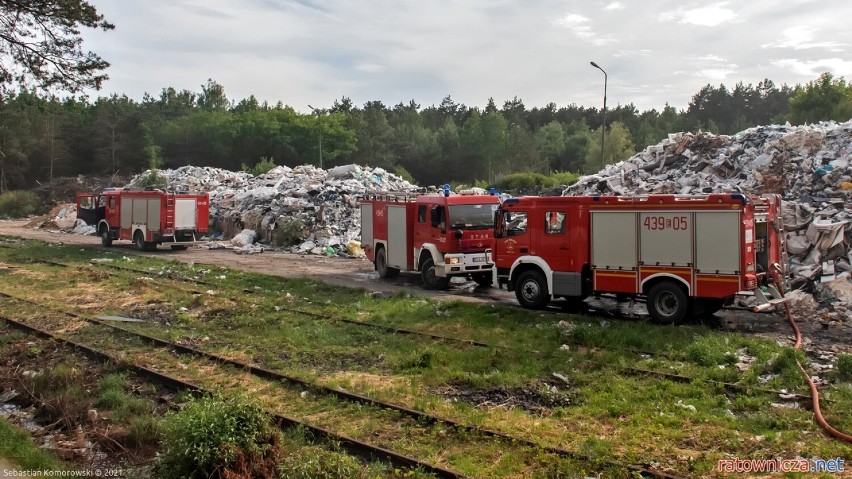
x: 17, y: 446
x: 612, y: 413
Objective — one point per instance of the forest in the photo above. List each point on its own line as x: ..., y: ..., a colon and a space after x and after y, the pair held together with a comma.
x: 44, y: 137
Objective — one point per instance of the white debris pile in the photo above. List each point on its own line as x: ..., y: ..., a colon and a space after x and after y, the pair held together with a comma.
x: 808, y: 165
x: 307, y: 209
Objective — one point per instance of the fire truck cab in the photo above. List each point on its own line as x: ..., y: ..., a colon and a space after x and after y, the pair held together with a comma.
x: 437, y: 235
x: 685, y: 254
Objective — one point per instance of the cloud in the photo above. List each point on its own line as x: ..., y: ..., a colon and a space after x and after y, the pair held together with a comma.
x: 711, y: 66
x: 708, y: 16
x: 631, y: 53
x: 614, y: 6
x: 801, y: 37
x: 814, y: 68
x: 579, y: 26
x: 369, y: 67
x: 717, y: 74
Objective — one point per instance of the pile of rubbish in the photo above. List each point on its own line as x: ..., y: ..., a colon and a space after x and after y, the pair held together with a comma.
x: 810, y: 166
x: 304, y: 209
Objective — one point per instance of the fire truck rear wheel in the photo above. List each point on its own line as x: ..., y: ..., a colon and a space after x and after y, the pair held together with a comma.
x: 430, y: 279
x: 106, y: 239
x: 139, y: 242
x: 382, y: 267
x: 667, y: 303
x: 531, y: 290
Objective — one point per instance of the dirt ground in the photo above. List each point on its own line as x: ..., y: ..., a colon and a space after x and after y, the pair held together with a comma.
x: 332, y: 270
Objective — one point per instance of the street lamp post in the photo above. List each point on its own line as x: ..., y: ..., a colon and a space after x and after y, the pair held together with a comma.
x: 603, y: 125
x: 319, y: 123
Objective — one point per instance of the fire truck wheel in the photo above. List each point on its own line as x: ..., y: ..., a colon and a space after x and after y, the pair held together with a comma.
x: 482, y: 279
x: 531, y: 290
x: 430, y: 279
x: 139, y: 241
x: 382, y: 267
x: 106, y: 239
x: 667, y: 303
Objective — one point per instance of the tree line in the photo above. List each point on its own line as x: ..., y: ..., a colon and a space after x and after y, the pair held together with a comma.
x: 43, y: 137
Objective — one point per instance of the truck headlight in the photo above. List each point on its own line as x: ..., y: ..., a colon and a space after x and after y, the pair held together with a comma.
x: 452, y: 261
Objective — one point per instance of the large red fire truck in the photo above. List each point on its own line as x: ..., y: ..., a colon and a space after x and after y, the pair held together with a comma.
x: 146, y: 216
x: 685, y: 254
x: 438, y: 235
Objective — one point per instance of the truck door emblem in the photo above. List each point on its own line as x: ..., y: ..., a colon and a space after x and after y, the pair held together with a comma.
x: 510, y: 246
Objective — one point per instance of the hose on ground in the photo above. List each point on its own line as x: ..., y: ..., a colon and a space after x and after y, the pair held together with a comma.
x: 814, y: 392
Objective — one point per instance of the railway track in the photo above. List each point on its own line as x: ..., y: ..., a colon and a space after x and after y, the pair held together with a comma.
x: 359, y: 447
x: 351, y: 445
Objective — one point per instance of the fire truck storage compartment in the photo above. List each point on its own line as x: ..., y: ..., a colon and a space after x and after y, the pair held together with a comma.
x: 185, y: 213
x: 136, y: 211
x: 397, y: 237
x: 367, y: 236
x: 665, y: 238
x: 614, y: 240
x: 717, y: 244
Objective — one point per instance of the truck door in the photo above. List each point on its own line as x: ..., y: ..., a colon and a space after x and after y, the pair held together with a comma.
x: 553, y: 242
x: 87, y: 208
x: 555, y: 247
x: 513, y: 239
x: 110, y: 209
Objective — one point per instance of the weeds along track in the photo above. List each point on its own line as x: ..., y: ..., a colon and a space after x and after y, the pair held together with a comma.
x: 624, y: 368
x: 351, y: 445
x: 388, y: 427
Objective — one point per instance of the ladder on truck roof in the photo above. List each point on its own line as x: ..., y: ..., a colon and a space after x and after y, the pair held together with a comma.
x: 394, y: 196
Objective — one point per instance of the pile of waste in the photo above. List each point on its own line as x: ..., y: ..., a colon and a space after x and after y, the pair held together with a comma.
x: 302, y: 209
x: 808, y: 165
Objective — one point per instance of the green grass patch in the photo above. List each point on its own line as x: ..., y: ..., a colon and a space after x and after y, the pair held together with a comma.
x: 844, y: 367
x: 18, y: 204
x: 17, y: 446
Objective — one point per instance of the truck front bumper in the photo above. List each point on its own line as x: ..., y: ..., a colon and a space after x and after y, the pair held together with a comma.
x: 461, y: 264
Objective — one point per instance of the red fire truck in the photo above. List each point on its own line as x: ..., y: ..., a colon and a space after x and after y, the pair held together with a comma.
x: 146, y: 216
x: 438, y: 235
x: 685, y: 254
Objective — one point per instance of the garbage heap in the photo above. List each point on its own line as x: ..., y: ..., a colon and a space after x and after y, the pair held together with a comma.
x: 302, y: 209
x: 808, y: 165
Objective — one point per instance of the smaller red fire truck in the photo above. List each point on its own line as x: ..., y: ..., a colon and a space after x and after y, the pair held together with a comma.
x: 147, y: 216
x: 438, y: 235
x: 685, y: 254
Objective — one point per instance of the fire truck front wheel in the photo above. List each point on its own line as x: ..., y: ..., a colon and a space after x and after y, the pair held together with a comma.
x: 430, y: 279
x: 531, y: 290
x: 382, y: 267
x: 667, y: 303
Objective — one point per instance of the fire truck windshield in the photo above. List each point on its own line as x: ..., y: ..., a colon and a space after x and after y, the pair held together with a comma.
x: 472, y: 216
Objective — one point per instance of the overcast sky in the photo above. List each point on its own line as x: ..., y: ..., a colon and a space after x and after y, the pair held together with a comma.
x: 305, y: 52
